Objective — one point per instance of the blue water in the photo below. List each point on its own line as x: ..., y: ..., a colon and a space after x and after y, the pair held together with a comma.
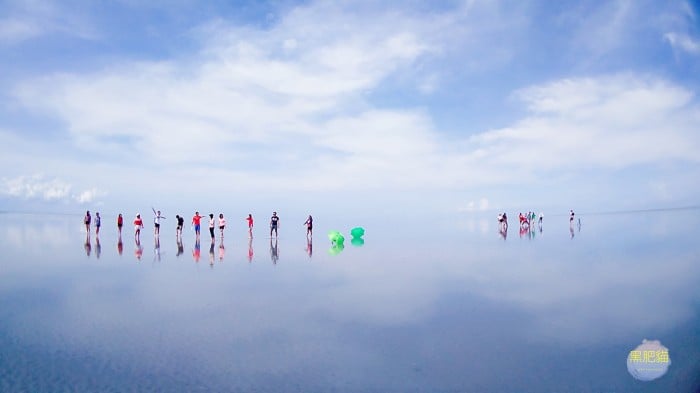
x: 427, y: 306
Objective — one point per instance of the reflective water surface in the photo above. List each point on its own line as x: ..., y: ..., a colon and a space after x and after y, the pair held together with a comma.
x: 449, y: 305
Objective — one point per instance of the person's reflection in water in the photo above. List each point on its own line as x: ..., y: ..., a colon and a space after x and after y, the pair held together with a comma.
x: 250, y: 249
x: 211, y: 253
x: 180, y: 247
x: 309, y: 246
x: 503, y: 231
x: 197, y: 252
x: 524, y: 229
x: 138, y: 251
x: 571, y: 230
x: 273, y: 250
x: 156, y: 249
x: 98, y: 247
x: 88, y: 246
x: 120, y: 245
x: 222, y: 251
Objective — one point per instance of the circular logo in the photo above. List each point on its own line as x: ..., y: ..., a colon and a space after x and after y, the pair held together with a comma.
x: 649, y: 361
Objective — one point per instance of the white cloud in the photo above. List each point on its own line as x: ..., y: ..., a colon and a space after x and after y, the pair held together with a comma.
x: 35, y: 186
x: 605, y: 122
x: 472, y: 206
x: 39, y: 186
x: 26, y: 20
x: 683, y: 42
x: 15, y: 30
x: 87, y: 196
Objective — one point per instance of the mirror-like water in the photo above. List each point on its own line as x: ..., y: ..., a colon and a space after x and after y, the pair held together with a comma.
x: 453, y: 306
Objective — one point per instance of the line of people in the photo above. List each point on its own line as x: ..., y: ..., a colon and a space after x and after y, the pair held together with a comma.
x: 196, y: 224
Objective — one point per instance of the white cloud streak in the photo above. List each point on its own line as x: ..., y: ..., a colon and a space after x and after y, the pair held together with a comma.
x: 25, y: 20
x: 683, y: 42
x: 39, y: 187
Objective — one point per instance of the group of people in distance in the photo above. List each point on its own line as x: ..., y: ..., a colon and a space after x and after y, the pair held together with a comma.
x: 528, y: 220
x: 196, y: 223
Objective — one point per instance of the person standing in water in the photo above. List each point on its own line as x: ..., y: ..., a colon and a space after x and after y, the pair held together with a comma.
x: 222, y: 224
x: 156, y: 221
x: 120, y: 224
x: 196, y: 221
x: 138, y: 224
x: 571, y: 217
x: 309, y: 226
x: 211, y: 225
x: 98, y: 223
x: 250, y: 226
x: 180, y: 224
x: 86, y: 221
x: 274, y: 223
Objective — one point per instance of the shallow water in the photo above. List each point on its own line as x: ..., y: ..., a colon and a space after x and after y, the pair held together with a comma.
x: 455, y: 307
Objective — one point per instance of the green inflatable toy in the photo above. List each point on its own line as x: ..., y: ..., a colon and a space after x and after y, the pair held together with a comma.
x: 336, y: 237
x: 357, y: 232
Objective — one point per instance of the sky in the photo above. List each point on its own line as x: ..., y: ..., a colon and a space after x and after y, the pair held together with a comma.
x: 457, y: 106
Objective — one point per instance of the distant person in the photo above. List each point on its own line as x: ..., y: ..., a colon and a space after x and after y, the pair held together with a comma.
x: 178, y: 228
x: 250, y: 225
x: 541, y: 217
x: 156, y: 221
x: 211, y: 225
x: 274, y: 223
x: 120, y: 224
x: 222, y: 224
x: 180, y: 225
x: 196, y: 220
x: 98, y: 223
x: 309, y: 226
x: 571, y: 217
x: 502, y: 220
x: 87, y: 221
x: 138, y: 224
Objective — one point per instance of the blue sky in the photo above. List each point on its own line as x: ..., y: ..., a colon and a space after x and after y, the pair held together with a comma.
x: 457, y: 105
